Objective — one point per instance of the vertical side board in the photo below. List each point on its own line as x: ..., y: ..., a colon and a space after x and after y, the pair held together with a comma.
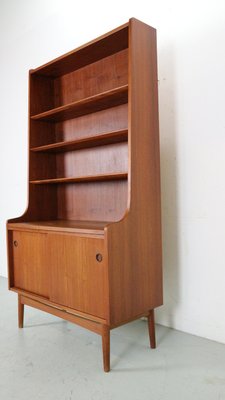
x: 134, y: 243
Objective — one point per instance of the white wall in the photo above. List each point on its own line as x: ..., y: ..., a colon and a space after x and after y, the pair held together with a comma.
x: 191, y: 58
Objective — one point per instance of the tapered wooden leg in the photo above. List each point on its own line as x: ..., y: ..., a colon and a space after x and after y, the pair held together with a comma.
x: 20, y: 312
x: 106, y: 348
x: 151, y: 328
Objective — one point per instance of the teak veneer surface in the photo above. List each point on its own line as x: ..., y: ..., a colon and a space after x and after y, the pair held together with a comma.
x: 135, y: 268
x: 30, y: 249
x: 101, y: 101
x: 80, y: 281
x: 88, y: 178
x: 86, y: 142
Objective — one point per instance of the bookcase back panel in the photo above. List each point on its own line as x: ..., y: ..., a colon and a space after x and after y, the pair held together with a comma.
x: 111, y: 119
x: 93, y: 79
x: 114, y: 118
x: 42, y: 166
x: 95, y: 201
x: 93, y: 161
x: 103, y: 75
x: 41, y: 133
x: 41, y: 94
x: 42, y: 203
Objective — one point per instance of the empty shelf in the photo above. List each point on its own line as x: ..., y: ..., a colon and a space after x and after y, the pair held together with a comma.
x: 83, y: 143
x: 101, y: 101
x: 87, y: 178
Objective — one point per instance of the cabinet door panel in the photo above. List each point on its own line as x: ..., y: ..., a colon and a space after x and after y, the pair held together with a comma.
x: 78, y: 279
x: 30, y: 271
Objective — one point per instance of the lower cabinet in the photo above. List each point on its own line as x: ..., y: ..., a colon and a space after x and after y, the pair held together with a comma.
x: 30, y: 263
x: 67, y: 269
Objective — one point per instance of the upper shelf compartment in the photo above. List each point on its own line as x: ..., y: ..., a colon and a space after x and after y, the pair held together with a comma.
x: 104, y: 46
x: 101, y: 101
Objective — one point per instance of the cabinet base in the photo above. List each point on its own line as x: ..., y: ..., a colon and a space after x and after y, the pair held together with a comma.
x: 99, y: 328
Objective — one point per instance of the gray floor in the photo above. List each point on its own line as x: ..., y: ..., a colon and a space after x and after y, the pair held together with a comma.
x: 53, y: 359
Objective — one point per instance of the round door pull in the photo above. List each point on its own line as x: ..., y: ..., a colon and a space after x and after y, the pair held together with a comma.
x: 99, y: 257
x: 15, y: 243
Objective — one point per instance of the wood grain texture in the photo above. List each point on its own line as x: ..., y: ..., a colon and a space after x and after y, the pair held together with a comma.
x: 42, y: 91
x: 60, y: 307
x: 85, y: 323
x: 113, y: 118
x: 108, y: 160
x: 103, y: 201
x: 88, y: 105
x: 30, y: 264
x: 80, y: 281
x: 87, y: 178
x: 84, y: 143
x: 67, y: 226
x: 135, y: 268
x: 102, y: 76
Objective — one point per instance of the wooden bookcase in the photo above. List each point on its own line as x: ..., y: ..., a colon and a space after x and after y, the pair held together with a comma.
x: 88, y: 247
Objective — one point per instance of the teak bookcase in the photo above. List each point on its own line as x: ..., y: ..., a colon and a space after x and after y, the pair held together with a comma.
x: 88, y: 247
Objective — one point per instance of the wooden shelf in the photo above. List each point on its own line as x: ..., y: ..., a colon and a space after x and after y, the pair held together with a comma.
x: 101, y: 101
x: 94, y: 227
x: 83, y: 143
x: 89, y: 178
